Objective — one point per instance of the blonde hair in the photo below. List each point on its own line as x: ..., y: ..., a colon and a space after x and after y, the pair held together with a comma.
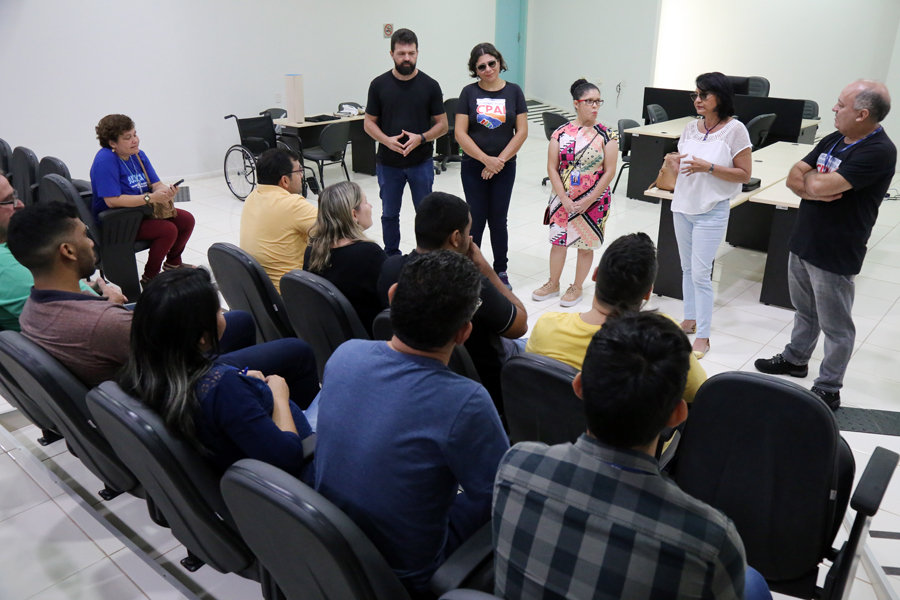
x: 334, y: 223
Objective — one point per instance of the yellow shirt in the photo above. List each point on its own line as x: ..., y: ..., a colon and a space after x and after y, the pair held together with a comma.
x: 275, y: 228
x: 565, y: 337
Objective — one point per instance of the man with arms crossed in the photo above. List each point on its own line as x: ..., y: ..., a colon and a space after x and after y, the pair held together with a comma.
x: 401, y: 105
x: 842, y: 183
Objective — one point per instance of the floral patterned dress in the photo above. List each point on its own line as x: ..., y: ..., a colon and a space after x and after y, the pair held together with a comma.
x: 581, y: 151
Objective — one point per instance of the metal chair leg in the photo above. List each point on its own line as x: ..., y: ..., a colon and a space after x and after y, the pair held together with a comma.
x: 621, y: 169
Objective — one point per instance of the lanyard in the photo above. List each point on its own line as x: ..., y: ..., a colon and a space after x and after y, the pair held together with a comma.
x: 626, y: 469
x: 848, y: 146
x: 136, y: 178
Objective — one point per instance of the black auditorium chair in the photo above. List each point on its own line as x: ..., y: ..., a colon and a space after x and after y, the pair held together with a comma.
x: 13, y: 394
x: 460, y: 361
x: 768, y: 454
x: 447, y: 142
x: 625, y: 146
x: 245, y: 286
x: 113, y: 233
x: 314, y: 551
x: 758, y: 128
x: 50, y: 165
x: 320, y: 314
x: 656, y: 114
x: 810, y: 109
x: 332, y: 149
x: 5, y: 157
x: 758, y: 86
x: 552, y: 122
x: 184, y: 486
x: 538, y: 400
x: 24, y: 168
x: 62, y: 397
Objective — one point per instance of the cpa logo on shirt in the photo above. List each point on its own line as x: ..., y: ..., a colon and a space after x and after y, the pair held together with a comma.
x: 490, y: 112
x: 827, y: 164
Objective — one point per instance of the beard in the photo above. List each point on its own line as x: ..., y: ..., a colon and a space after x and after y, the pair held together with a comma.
x: 405, y: 68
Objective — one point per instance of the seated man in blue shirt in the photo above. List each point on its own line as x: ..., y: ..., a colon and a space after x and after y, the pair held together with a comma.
x: 595, y: 519
x: 399, y: 433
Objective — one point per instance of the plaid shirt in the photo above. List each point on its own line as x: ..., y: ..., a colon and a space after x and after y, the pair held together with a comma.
x: 586, y: 520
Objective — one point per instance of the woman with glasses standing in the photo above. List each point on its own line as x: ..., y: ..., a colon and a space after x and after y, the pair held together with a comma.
x: 491, y: 126
x: 580, y: 165
x: 713, y: 160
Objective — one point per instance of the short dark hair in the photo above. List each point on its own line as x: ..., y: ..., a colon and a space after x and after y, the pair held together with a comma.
x: 274, y: 164
x: 36, y: 231
x: 404, y: 36
x: 633, y: 377
x: 719, y: 85
x: 480, y: 50
x: 436, y: 295
x: 581, y: 87
x: 626, y: 272
x: 438, y: 216
x: 111, y: 127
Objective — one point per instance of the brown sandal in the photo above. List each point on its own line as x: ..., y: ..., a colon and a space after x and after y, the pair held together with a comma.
x: 170, y: 267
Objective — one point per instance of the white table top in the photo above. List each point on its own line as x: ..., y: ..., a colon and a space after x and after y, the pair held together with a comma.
x: 287, y: 123
x: 666, y: 129
x: 778, y: 195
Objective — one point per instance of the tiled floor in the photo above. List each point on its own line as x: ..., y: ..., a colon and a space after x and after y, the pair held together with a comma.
x: 52, y: 544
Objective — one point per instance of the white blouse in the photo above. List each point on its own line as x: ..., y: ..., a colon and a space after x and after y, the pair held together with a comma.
x: 700, y: 192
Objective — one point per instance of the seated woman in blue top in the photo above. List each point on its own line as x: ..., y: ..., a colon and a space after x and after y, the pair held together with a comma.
x: 122, y: 176
x: 227, y: 414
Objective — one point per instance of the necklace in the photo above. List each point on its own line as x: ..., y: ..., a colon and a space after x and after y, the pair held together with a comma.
x: 709, y: 129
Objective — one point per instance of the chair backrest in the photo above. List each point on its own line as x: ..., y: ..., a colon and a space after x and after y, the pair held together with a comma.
x: 320, y: 314
x: 311, y: 549
x: 810, y: 109
x: 275, y: 113
x: 56, y: 188
x: 50, y: 165
x: 355, y: 105
x: 334, y: 137
x: 184, y: 487
x: 450, y: 105
x: 62, y: 397
x: 552, y: 122
x: 24, y: 167
x: 5, y: 157
x: 759, y: 128
x: 656, y: 114
x: 768, y: 454
x: 257, y: 133
x: 759, y: 86
x: 13, y: 394
x: 539, y: 402
x: 245, y: 286
x: 625, y: 138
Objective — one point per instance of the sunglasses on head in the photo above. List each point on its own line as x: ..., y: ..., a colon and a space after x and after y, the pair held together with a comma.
x: 490, y: 63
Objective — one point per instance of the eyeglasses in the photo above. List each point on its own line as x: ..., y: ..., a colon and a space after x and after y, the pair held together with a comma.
x: 11, y: 199
x: 490, y: 63
x: 592, y: 103
x: 702, y: 95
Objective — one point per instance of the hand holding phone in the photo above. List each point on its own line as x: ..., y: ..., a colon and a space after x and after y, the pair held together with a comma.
x: 179, y: 182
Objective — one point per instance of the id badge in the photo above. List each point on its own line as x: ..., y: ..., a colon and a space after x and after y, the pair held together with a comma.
x: 576, y: 177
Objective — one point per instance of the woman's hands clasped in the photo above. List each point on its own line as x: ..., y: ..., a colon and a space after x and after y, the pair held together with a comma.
x: 492, y: 166
x: 690, y: 166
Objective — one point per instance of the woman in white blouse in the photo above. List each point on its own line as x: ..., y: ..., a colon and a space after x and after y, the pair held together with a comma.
x: 714, y: 155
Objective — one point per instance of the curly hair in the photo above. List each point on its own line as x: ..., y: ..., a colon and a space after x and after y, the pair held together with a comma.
x: 111, y: 127
x: 479, y: 51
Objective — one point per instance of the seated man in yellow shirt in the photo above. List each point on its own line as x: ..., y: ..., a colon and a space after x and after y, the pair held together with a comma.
x: 624, y: 280
x: 276, y: 219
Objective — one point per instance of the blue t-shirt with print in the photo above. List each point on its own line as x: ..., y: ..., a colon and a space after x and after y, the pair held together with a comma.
x: 111, y: 177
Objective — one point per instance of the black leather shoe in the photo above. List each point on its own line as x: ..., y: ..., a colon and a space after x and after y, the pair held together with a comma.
x: 832, y: 399
x: 778, y: 365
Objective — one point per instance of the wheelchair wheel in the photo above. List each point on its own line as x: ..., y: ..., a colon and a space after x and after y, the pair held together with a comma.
x: 240, y: 171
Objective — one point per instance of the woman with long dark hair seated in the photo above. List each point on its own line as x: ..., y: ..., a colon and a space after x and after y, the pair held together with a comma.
x: 226, y: 413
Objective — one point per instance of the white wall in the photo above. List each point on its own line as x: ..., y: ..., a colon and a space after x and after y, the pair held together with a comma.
x: 892, y: 122
x: 807, y: 49
x: 177, y: 68
x: 596, y: 39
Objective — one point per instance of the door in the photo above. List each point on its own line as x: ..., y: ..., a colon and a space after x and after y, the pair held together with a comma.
x: 510, y: 29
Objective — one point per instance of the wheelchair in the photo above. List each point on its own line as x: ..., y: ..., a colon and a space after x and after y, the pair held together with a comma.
x: 258, y: 134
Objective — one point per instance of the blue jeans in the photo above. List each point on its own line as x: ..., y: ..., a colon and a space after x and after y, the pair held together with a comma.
x: 698, y: 238
x: 391, y: 181
x: 755, y: 586
x: 489, y: 203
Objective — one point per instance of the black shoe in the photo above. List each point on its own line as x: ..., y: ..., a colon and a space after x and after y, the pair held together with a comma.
x: 778, y: 365
x: 832, y: 399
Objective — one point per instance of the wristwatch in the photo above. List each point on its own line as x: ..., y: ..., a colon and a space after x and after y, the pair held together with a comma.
x: 423, y: 138
x: 147, y: 198
x: 711, y: 167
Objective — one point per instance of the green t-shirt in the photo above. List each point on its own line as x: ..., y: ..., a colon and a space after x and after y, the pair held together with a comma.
x: 15, y: 287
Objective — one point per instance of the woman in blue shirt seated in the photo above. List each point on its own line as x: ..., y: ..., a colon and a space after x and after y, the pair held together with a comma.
x: 122, y: 176
x: 226, y: 413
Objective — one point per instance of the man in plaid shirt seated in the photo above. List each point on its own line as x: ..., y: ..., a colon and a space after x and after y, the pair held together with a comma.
x: 595, y: 519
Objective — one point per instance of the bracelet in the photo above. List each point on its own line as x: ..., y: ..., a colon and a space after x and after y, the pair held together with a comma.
x: 711, y: 167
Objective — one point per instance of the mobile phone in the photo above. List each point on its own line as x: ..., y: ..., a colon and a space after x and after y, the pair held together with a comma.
x: 180, y: 181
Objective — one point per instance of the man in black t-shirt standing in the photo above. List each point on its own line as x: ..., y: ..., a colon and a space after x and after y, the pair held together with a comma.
x: 399, y: 112
x: 842, y: 183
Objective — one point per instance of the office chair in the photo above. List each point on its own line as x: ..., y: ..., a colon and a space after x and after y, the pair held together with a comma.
x: 113, y: 233
x: 332, y: 149
x: 656, y: 114
x: 245, y: 286
x: 50, y: 165
x: 768, y: 454
x: 24, y: 167
x: 5, y: 157
x: 13, y: 394
x: 810, y: 109
x: 759, y: 86
x: 552, y: 122
x: 624, y: 146
x: 320, y: 314
x: 758, y: 128
x: 314, y: 551
x: 355, y: 105
x: 447, y: 140
x: 275, y: 113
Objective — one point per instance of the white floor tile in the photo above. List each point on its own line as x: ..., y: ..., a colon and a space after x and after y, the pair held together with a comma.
x: 731, y: 351
x: 155, y: 586
x: 209, y: 583
x: 746, y: 325
x: 18, y: 492
x: 28, y: 436
x: 878, y: 361
x: 77, y: 476
x: 87, y: 520
x: 100, y: 581
x: 129, y: 515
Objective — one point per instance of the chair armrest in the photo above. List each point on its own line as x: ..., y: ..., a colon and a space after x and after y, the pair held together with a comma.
x: 293, y: 136
x: 467, y: 595
x: 120, y: 225
x: 874, y: 481
x: 468, y: 558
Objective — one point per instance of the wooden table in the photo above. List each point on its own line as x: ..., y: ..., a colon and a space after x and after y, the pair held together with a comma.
x: 362, y: 146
